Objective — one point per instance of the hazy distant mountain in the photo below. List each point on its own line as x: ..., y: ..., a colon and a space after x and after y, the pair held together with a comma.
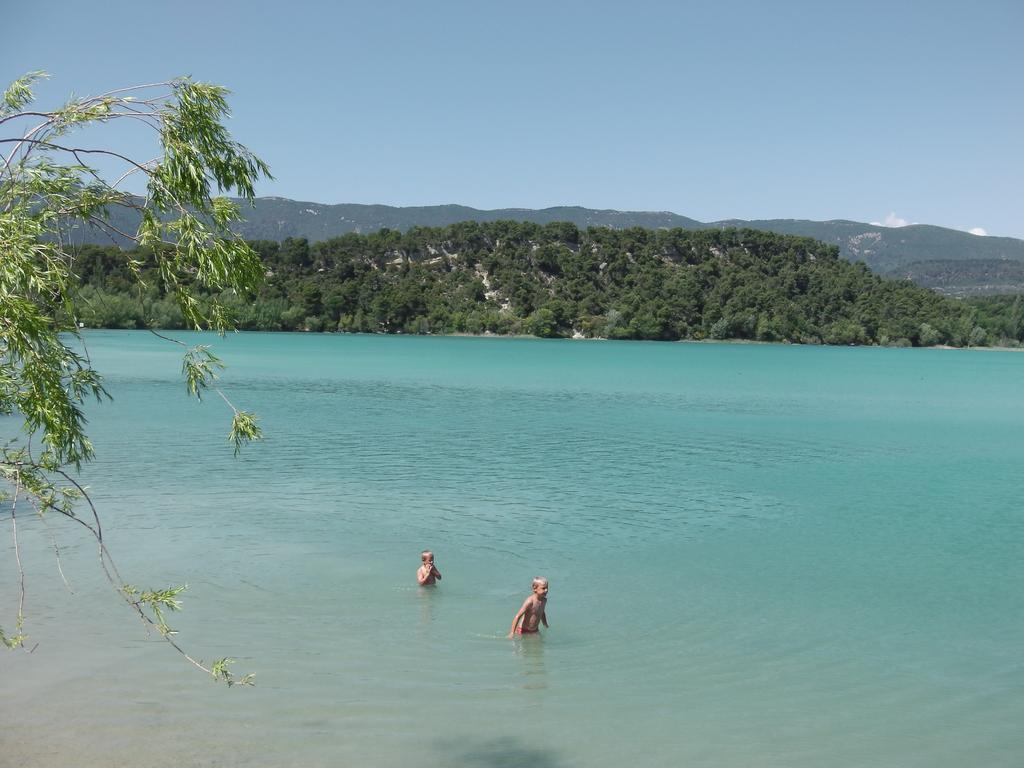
x: 887, y: 248
x: 945, y: 259
x: 275, y: 218
x: 967, y: 278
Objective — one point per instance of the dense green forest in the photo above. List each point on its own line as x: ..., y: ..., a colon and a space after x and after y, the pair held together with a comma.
x: 555, y: 280
x: 955, y: 263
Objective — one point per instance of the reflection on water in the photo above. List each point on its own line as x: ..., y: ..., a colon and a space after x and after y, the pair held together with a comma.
x: 425, y: 597
x: 530, y: 650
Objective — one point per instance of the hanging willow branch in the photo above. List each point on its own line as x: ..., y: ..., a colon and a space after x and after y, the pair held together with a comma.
x: 48, y: 185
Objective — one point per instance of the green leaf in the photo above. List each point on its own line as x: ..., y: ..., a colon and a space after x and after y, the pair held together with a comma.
x: 199, y: 368
x: 19, y: 93
x: 244, y: 429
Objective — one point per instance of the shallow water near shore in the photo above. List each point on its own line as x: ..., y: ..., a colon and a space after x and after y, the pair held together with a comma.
x: 758, y: 556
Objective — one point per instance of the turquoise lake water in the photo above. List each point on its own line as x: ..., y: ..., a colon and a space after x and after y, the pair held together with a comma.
x: 758, y: 556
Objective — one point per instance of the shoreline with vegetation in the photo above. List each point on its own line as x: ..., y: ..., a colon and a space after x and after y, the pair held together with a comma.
x: 556, y: 281
x: 596, y: 339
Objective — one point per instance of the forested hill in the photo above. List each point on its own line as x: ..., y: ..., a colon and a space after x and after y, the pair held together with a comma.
x: 948, y: 260
x: 556, y: 280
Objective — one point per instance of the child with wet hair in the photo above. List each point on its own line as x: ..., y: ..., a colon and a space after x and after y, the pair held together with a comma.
x: 533, y: 613
x: 427, y: 574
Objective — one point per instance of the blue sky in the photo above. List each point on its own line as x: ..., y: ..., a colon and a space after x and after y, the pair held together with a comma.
x: 872, y: 111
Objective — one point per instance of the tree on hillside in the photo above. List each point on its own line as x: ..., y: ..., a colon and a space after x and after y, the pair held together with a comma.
x: 49, y: 182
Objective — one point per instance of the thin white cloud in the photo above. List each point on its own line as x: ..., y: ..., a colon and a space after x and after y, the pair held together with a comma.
x: 892, y: 220
x: 980, y: 231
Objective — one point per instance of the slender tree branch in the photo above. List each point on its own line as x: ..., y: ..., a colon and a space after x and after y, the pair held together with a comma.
x: 107, y: 226
x: 17, y: 115
x: 107, y: 94
x: 26, y: 137
x: 225, y: 399
x: 75, y: 150
x: 17, y: 547
x: 98, y: 532
x: 56, y: 552
x: 167, y: 338
x: 128, y: 173
x: 106, y: 562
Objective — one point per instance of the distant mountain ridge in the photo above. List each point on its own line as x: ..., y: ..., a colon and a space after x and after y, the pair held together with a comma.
x: 947, y: 260
x: 276, y: 218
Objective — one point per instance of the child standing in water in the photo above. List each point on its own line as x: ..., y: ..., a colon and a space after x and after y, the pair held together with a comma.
x: 427, y: 573
x: 532, y: 614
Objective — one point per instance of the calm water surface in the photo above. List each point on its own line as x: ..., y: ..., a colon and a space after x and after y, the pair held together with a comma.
x: 758, y: 556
